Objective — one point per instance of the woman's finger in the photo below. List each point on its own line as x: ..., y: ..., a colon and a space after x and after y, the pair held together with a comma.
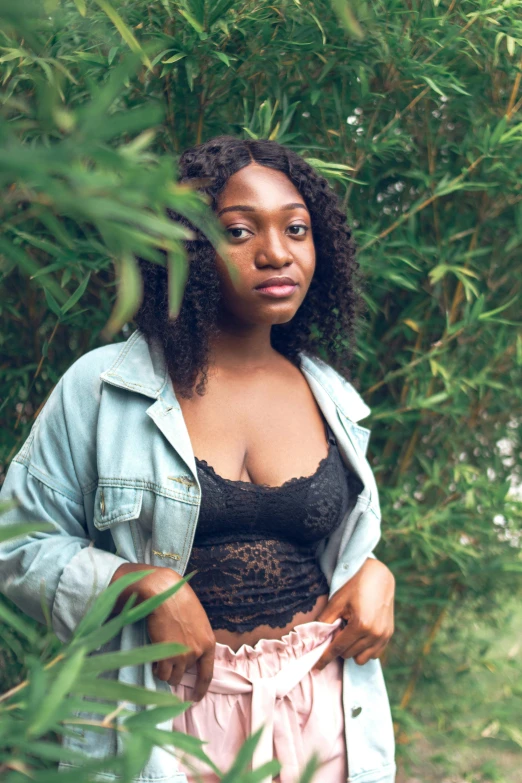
x: 163, y: 669
x: 205, y: 667
x: 360, y: 647
x: 177, y: 672
x: 371, y: 652
x: 330, y: 613
x: 340, y: 643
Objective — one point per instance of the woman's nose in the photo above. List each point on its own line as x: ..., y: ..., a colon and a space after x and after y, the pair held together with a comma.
x: 273, y: 251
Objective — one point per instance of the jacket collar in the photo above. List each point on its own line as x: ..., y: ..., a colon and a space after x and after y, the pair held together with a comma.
x: 141, y: 368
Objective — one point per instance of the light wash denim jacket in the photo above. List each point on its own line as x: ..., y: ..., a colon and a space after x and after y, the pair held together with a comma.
x: 110, y: 464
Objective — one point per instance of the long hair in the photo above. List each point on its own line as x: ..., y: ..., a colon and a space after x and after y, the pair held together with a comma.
x: 324, y: 325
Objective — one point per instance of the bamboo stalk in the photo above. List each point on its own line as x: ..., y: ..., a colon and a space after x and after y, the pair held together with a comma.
x: 514, y: 91
x: 426, y: 649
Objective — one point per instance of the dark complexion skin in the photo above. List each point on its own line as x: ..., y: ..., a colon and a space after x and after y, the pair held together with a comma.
x: 259, y: 422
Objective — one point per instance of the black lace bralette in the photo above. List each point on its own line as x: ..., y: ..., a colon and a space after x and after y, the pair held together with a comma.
x: 255, y: 545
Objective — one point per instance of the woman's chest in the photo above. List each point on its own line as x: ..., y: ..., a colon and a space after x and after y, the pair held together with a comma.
x: 263, y: 431
x: 146, y: 493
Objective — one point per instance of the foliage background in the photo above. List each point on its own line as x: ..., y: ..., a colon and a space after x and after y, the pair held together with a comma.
x: 413, y: 109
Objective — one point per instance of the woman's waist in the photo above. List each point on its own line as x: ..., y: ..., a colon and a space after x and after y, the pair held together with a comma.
x: 257, y: 589
x: 237, y: 639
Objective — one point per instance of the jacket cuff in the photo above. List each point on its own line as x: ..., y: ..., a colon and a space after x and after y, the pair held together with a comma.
x: 87, y: 575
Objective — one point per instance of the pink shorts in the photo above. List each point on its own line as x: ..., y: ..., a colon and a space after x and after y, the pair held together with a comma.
x: 271, y: 685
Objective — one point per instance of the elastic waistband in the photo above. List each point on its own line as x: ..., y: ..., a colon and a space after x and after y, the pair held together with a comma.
x: 302, y: 639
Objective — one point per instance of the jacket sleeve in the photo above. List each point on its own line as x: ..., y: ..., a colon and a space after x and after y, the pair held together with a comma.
x: 52, y: 479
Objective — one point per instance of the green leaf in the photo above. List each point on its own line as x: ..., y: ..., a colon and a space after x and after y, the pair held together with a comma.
x: 52, y: 303
x: 432, y: 84
x: 27, y: 264
x: 148, y: 606
x: 343, y: 9
x: 513, y: 733
x: 175, y: 58
x: 80, y: 5
x: 223, y: 57
x: 130, y: 291
x: 62, y: 685
x: 191, y: 19
x: 97, y: 664
x: 8, y: 532
x: 433, y: 401
x: 112, y: 690
x: 104, y: 604
x: 491, y: 313
x: 113, y: 51
x: 124, y: 30
x: 178, y: 272
x: 218, y: 9
x: 308, y: 774
x: 77, y: 294
x: 152, y: 717
x: 20, y: 625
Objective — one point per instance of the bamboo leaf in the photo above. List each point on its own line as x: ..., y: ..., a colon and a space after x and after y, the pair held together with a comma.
x: 130, y: 291
x: 105, y: 662
x: 104, y: 604
x: 8, y: 532
x: 191, y: 19
x: 123, y: 30
x: 112, y: 690
x: 344, y: 11
x: 151, y: 717
x: 77, y: 294
x: 62, y: 685
x: 20, y: 625
x: 80, y: 5
x: 175, y: 58
x: 177, y: 271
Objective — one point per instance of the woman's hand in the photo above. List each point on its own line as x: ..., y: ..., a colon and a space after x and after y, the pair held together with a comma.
x: 366, y: 603
x: 180, y: 619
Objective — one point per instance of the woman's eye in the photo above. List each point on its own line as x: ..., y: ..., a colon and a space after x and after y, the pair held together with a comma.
x: 236, y: 233
x: 298, y: 231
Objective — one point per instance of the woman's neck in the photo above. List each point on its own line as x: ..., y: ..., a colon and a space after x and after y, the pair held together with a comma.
x: 242, y: 347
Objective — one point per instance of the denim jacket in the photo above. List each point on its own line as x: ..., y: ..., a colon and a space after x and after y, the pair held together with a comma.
x: 109, y: 464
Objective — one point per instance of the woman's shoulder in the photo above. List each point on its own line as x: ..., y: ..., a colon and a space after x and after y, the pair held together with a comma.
x: 79, y: 389
x: 91, y: 365
x: 343, y: 393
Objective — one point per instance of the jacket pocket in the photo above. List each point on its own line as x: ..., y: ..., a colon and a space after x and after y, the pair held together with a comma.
x: 115, y: 504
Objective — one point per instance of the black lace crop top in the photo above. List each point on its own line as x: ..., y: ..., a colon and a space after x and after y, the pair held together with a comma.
x: 255, y: 545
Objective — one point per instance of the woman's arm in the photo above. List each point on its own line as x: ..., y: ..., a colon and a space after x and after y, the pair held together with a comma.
x: 365, y: 602
x: 180, y: 619
x: 60, y: 568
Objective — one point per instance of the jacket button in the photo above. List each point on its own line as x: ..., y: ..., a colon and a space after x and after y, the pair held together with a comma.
x: 356, y: 711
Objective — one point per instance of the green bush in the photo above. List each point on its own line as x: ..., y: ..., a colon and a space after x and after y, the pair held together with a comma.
x: 414, y: 112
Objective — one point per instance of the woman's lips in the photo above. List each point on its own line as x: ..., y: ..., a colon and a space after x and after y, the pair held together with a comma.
x: 278, y: 291
x: 279, y: 287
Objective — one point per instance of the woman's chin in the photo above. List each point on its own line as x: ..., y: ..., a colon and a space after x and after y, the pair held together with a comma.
x: 278, y: 314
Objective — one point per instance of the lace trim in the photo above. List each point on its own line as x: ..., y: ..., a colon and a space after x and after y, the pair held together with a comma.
x: 281, y: 620
x: 249, y: 485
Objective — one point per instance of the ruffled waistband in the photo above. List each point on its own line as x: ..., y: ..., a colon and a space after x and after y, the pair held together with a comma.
x: 269, y: 655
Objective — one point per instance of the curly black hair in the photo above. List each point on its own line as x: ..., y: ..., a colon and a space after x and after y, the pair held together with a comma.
x: 325, y: 324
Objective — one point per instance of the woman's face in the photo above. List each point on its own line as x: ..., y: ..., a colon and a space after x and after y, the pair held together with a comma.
x: 270, y: 247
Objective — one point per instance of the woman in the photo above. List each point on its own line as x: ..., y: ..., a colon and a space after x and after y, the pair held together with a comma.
x: 251, y: 438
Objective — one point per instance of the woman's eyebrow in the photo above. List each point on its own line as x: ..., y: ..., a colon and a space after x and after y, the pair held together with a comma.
x: 245, y: 208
